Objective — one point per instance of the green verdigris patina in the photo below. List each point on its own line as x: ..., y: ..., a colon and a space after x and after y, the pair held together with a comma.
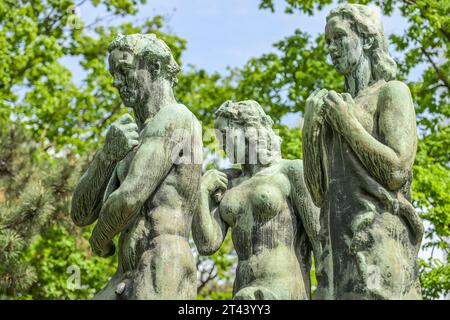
x: 138, y: 185
x: 274, y: 223
x: 359, y: 148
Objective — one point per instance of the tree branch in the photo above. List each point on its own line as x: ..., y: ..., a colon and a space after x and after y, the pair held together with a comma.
x: 440, y: 75
x: 422, y: 14
x: 113, y: 112
x: 208, y: 279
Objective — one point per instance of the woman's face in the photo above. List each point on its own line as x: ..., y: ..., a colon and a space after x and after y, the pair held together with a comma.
x: 344, y: 45
x: 239, y: 143
x: 246, y: 145
x: 232, y: 139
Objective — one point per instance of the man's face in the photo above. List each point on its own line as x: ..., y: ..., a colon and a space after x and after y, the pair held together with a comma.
x: 344, y: 45
x: 132, y: 82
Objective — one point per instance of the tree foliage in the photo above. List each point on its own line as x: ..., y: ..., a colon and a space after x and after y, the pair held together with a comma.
x: 56, y: 125
x: 50, y: 126
x: 34, y: 193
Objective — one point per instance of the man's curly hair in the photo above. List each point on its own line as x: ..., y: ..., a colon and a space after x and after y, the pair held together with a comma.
x: 149, y: 48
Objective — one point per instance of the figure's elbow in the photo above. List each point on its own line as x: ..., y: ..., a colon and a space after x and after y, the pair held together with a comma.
x: 80, y: 218
x: 207, y: 250
x: 205, y: 246
x: 125, y: 204
x: 397, y: 179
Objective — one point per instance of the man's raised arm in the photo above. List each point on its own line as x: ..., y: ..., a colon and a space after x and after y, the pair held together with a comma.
x: 149, y: 167
x: 87, y: 200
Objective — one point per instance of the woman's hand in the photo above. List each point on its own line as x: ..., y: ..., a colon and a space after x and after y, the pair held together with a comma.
x: 338, y: 110
x: 214, y: 183
x: 314, y: 105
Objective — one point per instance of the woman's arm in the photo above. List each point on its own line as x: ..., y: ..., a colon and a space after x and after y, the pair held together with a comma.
x: 389, y: 159
x: 308, y: 213
x: 312, y: 147
x: 208, y: 228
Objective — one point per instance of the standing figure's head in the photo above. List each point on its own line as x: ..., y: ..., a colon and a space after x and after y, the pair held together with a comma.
x: 246, y: 133
x: 354, y: 31
x: 142, y: 65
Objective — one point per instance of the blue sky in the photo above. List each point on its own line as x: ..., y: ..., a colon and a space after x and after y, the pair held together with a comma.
x: 223, y: 33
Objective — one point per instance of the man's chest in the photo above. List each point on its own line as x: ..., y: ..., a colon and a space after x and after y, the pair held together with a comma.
x: 124, y: 165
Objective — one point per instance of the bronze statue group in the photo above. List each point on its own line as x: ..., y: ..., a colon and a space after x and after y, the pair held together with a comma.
x: 347, y: 203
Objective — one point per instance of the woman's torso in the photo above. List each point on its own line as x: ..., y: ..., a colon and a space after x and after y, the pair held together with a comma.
x: 361, y: 230
x: 264, y: 231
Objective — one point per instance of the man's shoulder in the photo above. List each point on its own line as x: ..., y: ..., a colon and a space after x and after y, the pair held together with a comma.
x: 179, y: 116
x: 177, y: 111
x: 172, y: 117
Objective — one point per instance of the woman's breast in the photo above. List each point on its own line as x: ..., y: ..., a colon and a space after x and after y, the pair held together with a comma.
x: 366, y: 109
x: 232, y: 205
x: 261, y: 202
x: 266, y: 201
x: 260, y: 217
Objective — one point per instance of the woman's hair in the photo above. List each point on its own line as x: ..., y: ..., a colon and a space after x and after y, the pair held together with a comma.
x: 366, y: 22
x: 246, y: 113
x: 149, y: 48
x: 249, y: 114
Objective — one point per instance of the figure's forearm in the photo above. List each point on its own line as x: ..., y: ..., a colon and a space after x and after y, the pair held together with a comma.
x: 206, y: 230
x: 380, y: 160
x: 88, y: 195
x: 150, y: 165
x: 116, y: 214
x: 312, y: 225
x: 313, y: 169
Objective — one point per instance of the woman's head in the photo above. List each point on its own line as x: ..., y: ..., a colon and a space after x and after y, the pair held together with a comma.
x: 246, y: 133
x: 353, y: 30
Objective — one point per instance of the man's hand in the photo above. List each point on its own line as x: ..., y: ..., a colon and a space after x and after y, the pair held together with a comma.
x: 121, y: 137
